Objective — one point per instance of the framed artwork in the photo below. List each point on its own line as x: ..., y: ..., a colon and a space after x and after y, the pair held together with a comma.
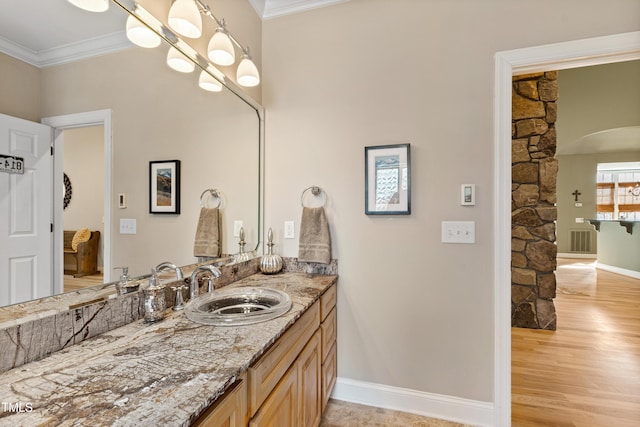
x: 164, y: 187
x: 387, y: 180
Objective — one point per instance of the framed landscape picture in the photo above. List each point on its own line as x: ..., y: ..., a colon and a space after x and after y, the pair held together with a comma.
x: 164, y: 187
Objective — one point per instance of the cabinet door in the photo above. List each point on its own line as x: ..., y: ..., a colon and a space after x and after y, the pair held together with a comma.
x: 329, y: 330
x: 279, y: 409
x: 267, y: 371
x: 228, y: 411
x: 329, y: 375
x: 309, y: 383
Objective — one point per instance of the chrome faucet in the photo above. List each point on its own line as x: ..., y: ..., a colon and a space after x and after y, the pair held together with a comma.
x: 194, y: 288
x: 169, y: 266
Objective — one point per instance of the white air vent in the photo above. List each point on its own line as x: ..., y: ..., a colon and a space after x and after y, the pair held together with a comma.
x: 580, y: 241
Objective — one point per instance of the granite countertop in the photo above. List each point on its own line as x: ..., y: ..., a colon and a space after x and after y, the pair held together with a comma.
x: 166, y: 373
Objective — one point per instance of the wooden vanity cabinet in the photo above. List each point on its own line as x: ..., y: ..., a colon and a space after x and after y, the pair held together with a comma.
x: 290, y: 384
x: 230, y: 410
x: 295, y: 401
x: 329, y: 330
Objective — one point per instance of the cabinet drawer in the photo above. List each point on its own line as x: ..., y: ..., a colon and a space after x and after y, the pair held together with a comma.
x: 329, y: 375
x: 328, y: 301
x: 269, y: 369
x: 230, y: 410
x: 329, y: 332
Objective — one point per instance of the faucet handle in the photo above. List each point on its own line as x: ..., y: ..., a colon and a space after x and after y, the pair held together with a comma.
x: 179, y: 304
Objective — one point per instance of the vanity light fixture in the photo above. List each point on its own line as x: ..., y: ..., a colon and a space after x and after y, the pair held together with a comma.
x: 207, y: 82
x: 140, y: 34
x: 220, y: 49
x: 91, y: 5
x: 177, y: 61
x: 247, y: 74
x: 185, y: 19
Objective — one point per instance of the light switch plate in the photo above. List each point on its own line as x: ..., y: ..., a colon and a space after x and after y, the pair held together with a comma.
x: 127, y: 226
x: 468, y: 194
x: 458, y: 232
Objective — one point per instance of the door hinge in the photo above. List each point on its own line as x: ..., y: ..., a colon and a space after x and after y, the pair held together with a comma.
x: 52, y: 227
x: 52, y: 150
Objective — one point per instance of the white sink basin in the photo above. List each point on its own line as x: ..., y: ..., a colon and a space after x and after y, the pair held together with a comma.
x: 238, y: 306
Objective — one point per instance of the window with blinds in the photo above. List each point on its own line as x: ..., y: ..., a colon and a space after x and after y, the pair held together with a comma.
x: 618, y: 194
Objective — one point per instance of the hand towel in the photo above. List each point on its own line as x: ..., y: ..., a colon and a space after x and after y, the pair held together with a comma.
x: 315, y: 240
x: 207, y: 241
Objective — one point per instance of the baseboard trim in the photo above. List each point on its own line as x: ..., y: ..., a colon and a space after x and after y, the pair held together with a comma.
x: 572, y: 255
x: 618, y: 270
x: 432, y: 405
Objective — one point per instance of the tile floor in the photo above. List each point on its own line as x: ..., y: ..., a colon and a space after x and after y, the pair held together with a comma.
x: 345, y: 414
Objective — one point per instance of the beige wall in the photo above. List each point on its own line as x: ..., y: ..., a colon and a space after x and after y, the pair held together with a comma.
x: 413, y: 312
x: 19, y: 89
x: 83, y: 162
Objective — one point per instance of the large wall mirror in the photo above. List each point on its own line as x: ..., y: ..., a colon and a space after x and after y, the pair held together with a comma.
x: 156, y: 114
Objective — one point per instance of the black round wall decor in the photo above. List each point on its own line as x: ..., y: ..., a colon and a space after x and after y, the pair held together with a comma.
x: 67, y: 190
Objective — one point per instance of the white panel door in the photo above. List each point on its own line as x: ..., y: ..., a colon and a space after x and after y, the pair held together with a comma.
x: 25, y: 212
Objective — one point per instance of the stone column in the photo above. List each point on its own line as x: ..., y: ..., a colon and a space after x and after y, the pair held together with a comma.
x: 533, y: 188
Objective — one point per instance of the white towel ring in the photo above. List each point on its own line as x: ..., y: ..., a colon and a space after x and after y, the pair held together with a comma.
x: 214, y: 193
x: 316, y: 191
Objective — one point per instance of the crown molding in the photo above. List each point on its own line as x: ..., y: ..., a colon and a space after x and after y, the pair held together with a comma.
x: 68, y: 53
x: 268, y: 9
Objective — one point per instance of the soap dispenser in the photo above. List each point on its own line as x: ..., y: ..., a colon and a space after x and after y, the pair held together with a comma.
x: 154, y: 299
x: 125, y: 285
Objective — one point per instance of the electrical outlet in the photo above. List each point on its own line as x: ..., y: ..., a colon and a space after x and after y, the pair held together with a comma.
x: 458, y: 232
x: 289, y: 230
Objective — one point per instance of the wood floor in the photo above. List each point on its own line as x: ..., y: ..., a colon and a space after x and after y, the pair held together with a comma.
x: 74, y: 283
x: 587, y: 372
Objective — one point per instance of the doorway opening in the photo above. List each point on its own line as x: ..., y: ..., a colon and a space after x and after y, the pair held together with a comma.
x: 61, y: 124
x: 83, y: 205
x: 579, y: 53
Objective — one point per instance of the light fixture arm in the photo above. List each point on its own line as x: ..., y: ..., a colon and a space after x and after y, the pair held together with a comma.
x: 206, y: 10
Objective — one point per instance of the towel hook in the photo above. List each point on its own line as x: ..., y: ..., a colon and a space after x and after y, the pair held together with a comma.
x: 214, y: 193
x: 316, y: 191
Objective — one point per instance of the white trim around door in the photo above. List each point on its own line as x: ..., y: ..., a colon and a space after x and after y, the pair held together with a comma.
x: 59, y: 124
x: 559, y: 56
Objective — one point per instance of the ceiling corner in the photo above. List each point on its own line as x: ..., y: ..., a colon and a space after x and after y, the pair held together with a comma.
x: 276, y: 8
x: 259, y: 6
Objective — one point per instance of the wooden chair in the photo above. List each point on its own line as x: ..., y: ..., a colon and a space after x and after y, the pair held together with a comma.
x: 85, y: 258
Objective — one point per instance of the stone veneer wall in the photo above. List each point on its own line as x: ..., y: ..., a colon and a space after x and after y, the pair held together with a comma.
x: 533, y: 212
